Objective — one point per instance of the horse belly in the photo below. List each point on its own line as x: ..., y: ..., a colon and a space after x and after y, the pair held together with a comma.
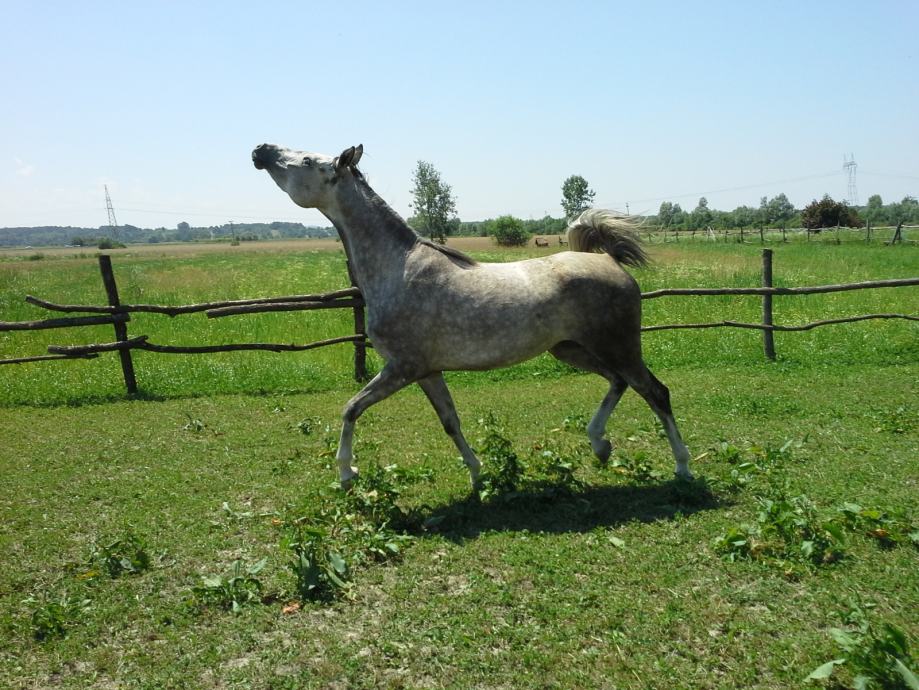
x: 491, y: 341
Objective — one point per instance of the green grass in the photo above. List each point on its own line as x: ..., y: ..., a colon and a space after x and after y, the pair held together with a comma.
x: 613, y: 582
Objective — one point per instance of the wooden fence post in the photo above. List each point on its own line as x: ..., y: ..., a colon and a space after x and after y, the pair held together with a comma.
x: 121, y: 328
x: 768, y: 339
x: 360, y: 346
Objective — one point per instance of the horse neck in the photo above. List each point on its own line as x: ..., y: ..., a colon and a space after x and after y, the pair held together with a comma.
x: 376, y: 239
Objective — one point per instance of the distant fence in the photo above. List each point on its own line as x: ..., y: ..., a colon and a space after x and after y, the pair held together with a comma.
x: 888, y: 234
x: 118, y: 315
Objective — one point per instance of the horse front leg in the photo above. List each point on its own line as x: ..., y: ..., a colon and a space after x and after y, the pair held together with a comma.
x: 438, y: 394
x: 384, y: 384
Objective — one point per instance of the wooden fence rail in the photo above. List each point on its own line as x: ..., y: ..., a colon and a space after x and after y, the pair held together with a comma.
x: 118, y: 315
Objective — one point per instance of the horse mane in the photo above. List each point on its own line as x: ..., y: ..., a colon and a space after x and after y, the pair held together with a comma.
x: 399, y: 224
x: 599, y: 230
x: 455, y: 254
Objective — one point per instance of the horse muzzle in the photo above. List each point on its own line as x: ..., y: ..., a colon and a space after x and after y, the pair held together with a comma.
x: 264, y: 155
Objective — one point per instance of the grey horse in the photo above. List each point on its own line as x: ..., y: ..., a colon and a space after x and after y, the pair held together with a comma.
x: 432, y: 309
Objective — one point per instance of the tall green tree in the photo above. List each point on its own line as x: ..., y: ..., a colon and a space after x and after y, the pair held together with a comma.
x: 577, y: 196
x: 434, y: 205
x: 665, y: 214
x: 701, y: 216
x: 778, y: 209
x: 781, y: 210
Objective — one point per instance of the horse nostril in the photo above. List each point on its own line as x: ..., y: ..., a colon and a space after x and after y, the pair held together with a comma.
x: 259, y: 157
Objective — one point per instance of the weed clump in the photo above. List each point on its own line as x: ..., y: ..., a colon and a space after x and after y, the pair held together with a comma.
x: 53, y: 618
x: 241, y: 587
x: 790, y: 530
x: 128, y: 555
x: 876, y: 658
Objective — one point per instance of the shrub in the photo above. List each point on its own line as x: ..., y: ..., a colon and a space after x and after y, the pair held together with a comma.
x: 509, y: 231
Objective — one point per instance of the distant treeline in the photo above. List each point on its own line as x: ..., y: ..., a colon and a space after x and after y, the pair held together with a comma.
x: 775, y: 212
x: 778, y: 212
x: 56, y: 235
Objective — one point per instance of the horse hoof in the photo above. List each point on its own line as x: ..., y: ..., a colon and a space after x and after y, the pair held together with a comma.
x: 684, y: 474
x: 602, y: 449
x: 347, y: 483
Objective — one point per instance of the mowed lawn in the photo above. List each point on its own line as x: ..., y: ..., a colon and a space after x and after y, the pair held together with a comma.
x: 610, y: 577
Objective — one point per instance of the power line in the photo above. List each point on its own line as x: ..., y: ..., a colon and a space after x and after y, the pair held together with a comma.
x: 739, y: 188
x: 894, y: 175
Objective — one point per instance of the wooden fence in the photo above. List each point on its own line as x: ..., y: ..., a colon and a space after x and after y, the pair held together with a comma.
x: 118, y: 315
x: 888, y: 234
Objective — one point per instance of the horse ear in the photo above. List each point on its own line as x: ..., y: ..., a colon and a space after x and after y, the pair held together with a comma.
x: 358, y: 152
x: 345, y: 159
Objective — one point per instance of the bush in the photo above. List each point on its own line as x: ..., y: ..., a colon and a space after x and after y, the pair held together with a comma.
x: 106, y: 243
x: 509, y: 231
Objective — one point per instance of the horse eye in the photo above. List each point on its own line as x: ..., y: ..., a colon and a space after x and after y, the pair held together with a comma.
x: 307, y: 162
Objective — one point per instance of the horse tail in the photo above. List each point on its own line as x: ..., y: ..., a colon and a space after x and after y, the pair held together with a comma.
x: 598, y: 230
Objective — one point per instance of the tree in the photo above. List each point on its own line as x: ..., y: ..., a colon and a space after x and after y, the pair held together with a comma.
x: 665, y: 214
x: 780, y: 209
x: 509, y: 231
x: 875, y: 211
x: 743, y: 216
x: 907, y: 211
x: 827, y: 213
x: 434, y: 204
x: 701, y: 216
x: 576, y: 196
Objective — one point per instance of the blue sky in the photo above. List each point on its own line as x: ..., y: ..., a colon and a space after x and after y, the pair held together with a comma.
x: 163, y: 102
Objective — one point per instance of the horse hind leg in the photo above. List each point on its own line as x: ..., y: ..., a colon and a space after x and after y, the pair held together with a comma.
x: 657, y: 396
x: 577, y: 356
x: 596, y: 429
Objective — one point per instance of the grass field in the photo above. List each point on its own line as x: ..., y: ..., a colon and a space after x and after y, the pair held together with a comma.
x: 112, y: 511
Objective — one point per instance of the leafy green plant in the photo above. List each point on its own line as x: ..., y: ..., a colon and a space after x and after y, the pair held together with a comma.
x: 558, y: 467
x: 876, y: 658
x: 320, y: 570
x: 787, y: 529
x: 128, y: 555
x: 375, y: 493
x: 887, y: 529
x: 51, y: 619
x: 504, y: 470
x: 308, y: 425
x: 637, y: 467
x: 234, y: 591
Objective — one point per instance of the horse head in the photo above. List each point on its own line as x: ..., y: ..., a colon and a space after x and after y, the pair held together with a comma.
x: 307, y: 178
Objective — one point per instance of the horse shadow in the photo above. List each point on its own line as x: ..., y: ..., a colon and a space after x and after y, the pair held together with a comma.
x: 555, y: 509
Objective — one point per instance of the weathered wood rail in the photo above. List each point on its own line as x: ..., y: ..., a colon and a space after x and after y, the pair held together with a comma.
x: 118, y: 314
